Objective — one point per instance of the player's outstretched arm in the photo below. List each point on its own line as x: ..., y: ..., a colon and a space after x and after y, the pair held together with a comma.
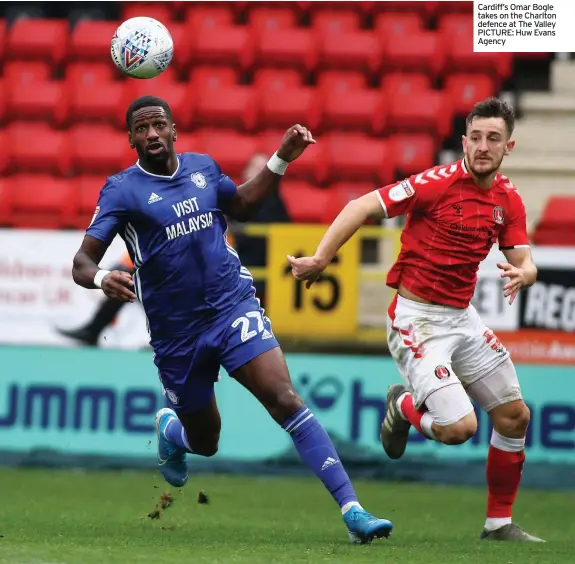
x: 86, y: 272
x: 520, y: 269
x: 345, y: 225
x: 251, y: 194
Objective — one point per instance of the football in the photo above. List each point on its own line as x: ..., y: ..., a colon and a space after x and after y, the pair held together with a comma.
x: 142, y: 47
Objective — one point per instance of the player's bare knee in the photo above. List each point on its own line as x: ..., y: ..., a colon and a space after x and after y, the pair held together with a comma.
x: 457, y: 433
x: 206, y: 448
x: 511, y: 419
x: 286, y: 403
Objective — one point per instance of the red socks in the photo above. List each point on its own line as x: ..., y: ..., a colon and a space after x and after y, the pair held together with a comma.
x: 504, y: 466
x: 410, y: 413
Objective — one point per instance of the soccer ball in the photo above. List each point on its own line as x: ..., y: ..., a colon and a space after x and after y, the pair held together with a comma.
x: 142, y: 47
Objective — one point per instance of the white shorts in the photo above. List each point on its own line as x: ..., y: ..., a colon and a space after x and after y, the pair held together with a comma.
x: 438, y: 346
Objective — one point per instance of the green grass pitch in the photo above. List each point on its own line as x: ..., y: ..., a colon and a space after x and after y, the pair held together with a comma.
x: 68, y: 517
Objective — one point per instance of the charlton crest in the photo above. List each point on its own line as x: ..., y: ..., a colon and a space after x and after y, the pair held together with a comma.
x: 498, y: 214
x: 442, y: 372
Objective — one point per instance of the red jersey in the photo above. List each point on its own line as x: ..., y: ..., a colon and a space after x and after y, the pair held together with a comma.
x: 451, y: 226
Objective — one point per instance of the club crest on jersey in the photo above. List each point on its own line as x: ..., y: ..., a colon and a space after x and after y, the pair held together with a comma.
x: 199, y: 180
x: 442, y: 372
x: 498, y: 215
x: 401, y: 191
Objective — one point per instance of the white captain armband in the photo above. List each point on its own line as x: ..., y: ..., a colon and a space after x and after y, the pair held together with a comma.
x: 277, y: 165
x: 99, y: 277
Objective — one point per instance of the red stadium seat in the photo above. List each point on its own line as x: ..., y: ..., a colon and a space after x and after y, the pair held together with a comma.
x: 271, y: 19
x: 3, y: 101
x: 3, y: 28
x: 283, y: 108
x: 212, y: 78
x: 277, y: 79
x: 399, y: 25
x: 304, y: 202
x: 331, y: 21
x: 27, y: 72
x: 422, y: 51
x: 457, y: 33
x: 37, y: 39
x: 99, y: 149
x: 92, y: 74
x: 354, y: 110
x: 3, y: 104
x: 358, y: 50
x: 6, y: 188
x: 88, y: 191
x: 450, y: 7
x: 36, y: 147
x: 356, y: 157
x: 97, y: 102
x: 158, y: 10
x: 5, y: 156
x: 464, y: 90
x: 188, y: 143
x: 40, y: 201
x: 182, y: 36
x: 341, y: 81
x: 287, y: 48
x: 309, y: 166
x: 401, y: 83
x: 425, y: 111
x: 557, y: 223
x: 230, y: 106
x: 340, y: 194
x: 226, y: 44
x: 462, y: 58
x: 230, y: 149
x: 363, y: 7
x: 454, y: 24
x: 413, y: 153
x: 179, y: 96
x: 426, y: 9
x: 44, y: 100
x: 90, y: 40
x: 205, y: 18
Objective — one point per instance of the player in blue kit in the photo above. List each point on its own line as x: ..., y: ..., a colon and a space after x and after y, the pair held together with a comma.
x: 199, y: 300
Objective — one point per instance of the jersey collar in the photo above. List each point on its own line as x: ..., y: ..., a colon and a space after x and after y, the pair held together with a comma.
x: 160, y: 175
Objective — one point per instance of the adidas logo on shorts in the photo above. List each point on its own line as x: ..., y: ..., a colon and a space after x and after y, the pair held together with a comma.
x: 266, y: 334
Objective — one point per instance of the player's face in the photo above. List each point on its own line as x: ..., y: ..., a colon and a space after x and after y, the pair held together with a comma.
x: 153, y: 134
x: 486, y: 143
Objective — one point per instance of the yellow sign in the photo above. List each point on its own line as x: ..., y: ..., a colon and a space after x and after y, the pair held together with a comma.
x: 329, y: 307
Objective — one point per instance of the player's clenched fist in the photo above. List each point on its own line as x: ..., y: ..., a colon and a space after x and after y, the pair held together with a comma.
x: 294, y: 143
x: 118, y: 286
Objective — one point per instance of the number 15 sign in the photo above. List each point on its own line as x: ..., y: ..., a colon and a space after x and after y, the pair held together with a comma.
x: 329, y: 307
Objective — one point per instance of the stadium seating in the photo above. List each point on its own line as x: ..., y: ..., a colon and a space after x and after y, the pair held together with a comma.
x: 378, y: 83
x: 557, y: 223
x: 37, y: 39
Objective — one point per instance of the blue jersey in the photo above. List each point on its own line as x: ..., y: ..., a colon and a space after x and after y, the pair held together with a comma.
x: 186, y: 273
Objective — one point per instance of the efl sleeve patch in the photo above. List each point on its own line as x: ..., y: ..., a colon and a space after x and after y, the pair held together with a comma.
x: 401, y: 191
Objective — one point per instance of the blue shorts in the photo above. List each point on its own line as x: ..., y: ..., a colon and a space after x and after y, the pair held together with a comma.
x: 188, y: 375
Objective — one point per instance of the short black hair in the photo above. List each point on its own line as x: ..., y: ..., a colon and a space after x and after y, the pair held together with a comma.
x: 493, y: 108
x: 146, y: 102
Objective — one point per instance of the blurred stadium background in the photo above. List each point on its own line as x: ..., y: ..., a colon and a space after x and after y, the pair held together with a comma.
x: 385, y: 87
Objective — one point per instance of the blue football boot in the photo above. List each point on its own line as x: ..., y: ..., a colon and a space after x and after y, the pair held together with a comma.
x: 171, y: 457
x: 363, y: 527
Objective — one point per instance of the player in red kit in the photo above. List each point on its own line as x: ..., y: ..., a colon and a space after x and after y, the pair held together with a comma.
x: 455, y: 213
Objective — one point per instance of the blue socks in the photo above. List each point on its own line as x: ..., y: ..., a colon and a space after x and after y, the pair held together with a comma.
x: 318, y: 452
x: 175, y: 433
